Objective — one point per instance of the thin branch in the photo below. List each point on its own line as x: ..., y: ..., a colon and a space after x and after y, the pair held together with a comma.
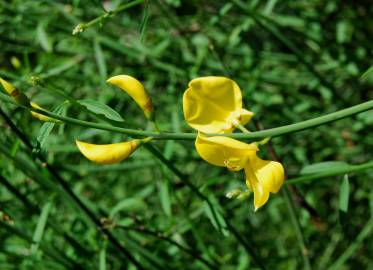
x: 273, y: 132
x: 330, y: 172
x: 99, y: 20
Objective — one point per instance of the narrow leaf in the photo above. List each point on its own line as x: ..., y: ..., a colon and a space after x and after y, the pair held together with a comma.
x: 323, y: 167
x: 130, y: 204
x: 99, y: 108
x: 40, y: 227
x: 43, y: 38
x: 216, y: 218
x: 367, y: 73
x: 164, y: 195
x: 144, y: 21
x: 100, y: 59
x: 47, y: 127
x: 344, y: 194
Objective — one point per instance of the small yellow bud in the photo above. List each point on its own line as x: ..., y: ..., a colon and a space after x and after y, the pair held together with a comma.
x: 8, y: 87
x: 136, y: 90
x: 78, y: 29
x: 108, y: 153
x: 16, y: 95
x: 15, y: 62
x: 40, y: 116
x: 233, y: 193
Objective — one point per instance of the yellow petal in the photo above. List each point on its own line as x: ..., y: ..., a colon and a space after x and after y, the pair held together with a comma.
x: 107, y: 153
x: 263, y: 177
x: 40, y: 116
x: 16, y: 95
x: 224, y: 151
x: 136, y: 90
x: 214, y: 105
x: 245, y: 116
x: 8, y: 87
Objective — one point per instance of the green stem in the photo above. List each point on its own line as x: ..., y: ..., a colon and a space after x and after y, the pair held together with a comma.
x: 298, y: 230
x: 364, y: 233
x: 273, y: 132
x: 82, y: 26
x: 330, y: 172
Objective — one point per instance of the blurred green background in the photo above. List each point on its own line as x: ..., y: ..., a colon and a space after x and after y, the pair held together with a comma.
x: 294, y: 60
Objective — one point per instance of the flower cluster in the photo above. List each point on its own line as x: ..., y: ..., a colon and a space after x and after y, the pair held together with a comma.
x: 214, y: 105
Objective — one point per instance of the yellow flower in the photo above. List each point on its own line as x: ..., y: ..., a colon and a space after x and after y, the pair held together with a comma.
x: 136, y: 90
x: 108, y: 153
x: 214, y: 105
x: 262, y: 176
x: 224, y: 151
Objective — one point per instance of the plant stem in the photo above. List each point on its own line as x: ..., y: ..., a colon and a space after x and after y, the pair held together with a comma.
x: 272, y: 132
x: 298, y: 230
x: 364, y: 233
x: 331, y: 172
x: 82, y: 26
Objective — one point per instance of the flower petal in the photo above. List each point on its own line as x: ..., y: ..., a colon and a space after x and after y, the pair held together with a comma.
x: 263, y: 177
x: 40, y: 116
x: 245, y: 116
x: 208, y: 103
x: 224, y: 151
x: 136, y: 90
x: 14, y: 93
x: 260, y: 194
x: 107, y: 153
x: 8, y: 87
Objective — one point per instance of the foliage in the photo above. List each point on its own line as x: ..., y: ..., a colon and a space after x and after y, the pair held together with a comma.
x: 293, y: 60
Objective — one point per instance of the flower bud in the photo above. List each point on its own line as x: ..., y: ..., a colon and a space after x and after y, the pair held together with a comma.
x: 40, y: 116
x: 17, y: 96
x: 108, y: 153
x: 136, y: 90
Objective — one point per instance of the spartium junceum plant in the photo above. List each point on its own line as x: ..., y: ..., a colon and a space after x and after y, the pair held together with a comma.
x: 213, y: 106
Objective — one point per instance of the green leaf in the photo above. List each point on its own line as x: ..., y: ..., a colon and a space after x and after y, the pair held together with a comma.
x: 144, y: 21
x: 47, y: 127
x: 367, y: 73
x: 216, y: 218
x: 164, y: 196
x: 102, y: 256
x: 324, y: 166
x: 43, y: 38
x: 99, y: 108
x: 100, y: 59
x: 344, y: 194
x: 130, y: 204
x: 40, y: 227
